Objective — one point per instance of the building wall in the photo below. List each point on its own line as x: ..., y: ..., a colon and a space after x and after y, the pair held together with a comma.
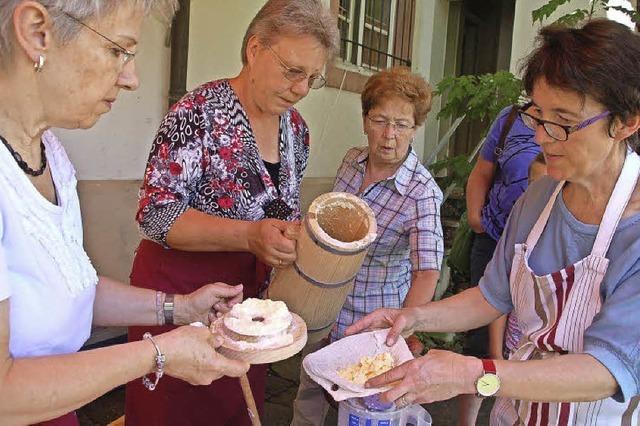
x: 110, y: 158
x: 524, y: 31
x: 117, y: 146
x: 333, y: 116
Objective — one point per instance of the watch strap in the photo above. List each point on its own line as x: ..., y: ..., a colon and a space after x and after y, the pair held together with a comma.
x: 488, y: 366
x: 168, y: 308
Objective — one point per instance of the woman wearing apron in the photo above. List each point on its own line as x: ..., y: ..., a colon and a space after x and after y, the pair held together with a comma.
x: 568, y: 263
x: 222, y: 183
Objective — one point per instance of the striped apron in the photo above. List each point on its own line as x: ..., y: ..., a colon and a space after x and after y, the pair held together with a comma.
x: 554, y: 311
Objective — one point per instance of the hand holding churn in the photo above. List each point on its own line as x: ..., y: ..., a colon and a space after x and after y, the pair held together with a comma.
x: 334, y: 237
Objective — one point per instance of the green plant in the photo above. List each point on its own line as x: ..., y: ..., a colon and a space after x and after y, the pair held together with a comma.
x: 480, y: 97
x: 574, y: 18
x: 473, y: 97
x: 477, y: 97
x: 458, y: 169
x: 448, y: 341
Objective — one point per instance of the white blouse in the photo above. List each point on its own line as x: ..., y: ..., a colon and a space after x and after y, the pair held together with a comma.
x: 45, y: 273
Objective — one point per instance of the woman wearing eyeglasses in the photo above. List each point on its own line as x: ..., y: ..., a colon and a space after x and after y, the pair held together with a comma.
x: 63, y: 64
x: 402, y: 265
x: 568, y: 262
x: 221, y: 187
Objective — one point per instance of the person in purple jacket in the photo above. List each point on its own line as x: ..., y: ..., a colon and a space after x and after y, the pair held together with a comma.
x: 497, y: 180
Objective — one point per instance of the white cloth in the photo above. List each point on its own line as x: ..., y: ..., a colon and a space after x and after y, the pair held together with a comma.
x: 50, y: 279
x: 5, y: 291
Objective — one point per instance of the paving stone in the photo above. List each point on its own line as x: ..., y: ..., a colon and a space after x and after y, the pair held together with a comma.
x: 276, y: 415
x: 277, y: 385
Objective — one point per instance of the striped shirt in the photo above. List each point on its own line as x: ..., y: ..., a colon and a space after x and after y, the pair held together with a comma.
x: 407, y: 210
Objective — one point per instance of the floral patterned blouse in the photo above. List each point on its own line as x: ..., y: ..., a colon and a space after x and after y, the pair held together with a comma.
x: 205, y: 157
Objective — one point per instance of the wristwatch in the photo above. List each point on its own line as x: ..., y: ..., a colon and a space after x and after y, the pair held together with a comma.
x: 167, y: 308
x: 489, y: 383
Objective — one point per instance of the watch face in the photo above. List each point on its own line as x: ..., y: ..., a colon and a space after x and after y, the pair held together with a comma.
x: 488, y: 385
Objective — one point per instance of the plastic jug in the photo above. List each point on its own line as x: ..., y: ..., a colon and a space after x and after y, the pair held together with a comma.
x: 352, y: 412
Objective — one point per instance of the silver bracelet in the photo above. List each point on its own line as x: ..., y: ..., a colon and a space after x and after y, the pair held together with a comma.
x: 159, y: 359
x: 160, y: 298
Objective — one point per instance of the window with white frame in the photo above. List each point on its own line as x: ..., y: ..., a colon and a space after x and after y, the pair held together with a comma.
x: 376, y: 34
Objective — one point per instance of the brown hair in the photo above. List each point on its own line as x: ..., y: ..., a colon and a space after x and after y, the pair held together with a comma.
x: 539, y: 158
x: 293, y: 17
x: 600, y: 60
x: 400, y: 82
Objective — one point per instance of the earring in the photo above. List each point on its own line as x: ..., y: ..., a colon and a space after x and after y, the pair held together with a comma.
x: 39, y: 64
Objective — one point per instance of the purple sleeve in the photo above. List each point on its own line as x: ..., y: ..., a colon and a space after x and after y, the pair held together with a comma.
x: 489, y: 147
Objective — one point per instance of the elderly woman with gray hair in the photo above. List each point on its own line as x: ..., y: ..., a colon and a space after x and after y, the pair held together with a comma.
x: 222, y: 187
x: 62, y: 64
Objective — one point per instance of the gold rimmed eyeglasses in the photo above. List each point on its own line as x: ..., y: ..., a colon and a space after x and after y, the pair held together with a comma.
x: 125, y: 55
x: 296, y: 75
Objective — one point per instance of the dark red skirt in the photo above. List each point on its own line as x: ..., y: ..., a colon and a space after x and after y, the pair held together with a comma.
x: 67, y: 420
x: 175, y: 402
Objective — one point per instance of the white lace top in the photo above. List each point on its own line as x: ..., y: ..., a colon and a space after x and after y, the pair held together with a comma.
x: 49, y: 279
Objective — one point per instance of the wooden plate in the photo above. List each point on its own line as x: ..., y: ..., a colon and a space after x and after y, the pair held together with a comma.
x: 266, y: 356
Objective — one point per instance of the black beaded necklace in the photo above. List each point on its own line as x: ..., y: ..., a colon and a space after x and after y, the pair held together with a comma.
x: 23, y: 164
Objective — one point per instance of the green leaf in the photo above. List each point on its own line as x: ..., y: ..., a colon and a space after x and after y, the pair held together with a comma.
x: 480, y: 97
x: 447, y: 341
x: 546, y: 10
x: 459, y: 169
x: 574, y: 18
x: 634, y: 15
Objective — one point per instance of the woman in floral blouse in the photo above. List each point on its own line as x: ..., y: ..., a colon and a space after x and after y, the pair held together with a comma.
x: 221, y: 186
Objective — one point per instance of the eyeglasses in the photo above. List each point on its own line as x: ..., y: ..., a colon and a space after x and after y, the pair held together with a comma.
x: 296, y: 75
x: 557, y: 131
x: 123, y: 54
x: 398, y: 126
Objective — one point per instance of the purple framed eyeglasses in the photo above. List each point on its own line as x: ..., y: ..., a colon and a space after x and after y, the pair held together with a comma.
x: 557, y: 131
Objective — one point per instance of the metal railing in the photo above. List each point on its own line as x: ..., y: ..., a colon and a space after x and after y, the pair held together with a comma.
x: 381, y: 59
x: 377, y: 37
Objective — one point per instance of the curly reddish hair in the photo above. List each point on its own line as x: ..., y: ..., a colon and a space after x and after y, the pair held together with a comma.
x: 402, y: 83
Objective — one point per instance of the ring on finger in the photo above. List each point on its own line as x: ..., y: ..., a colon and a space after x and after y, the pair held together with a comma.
x: 279, y: 262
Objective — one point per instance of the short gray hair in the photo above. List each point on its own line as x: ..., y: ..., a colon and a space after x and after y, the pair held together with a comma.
x: 66, y: 29
x: 294, y: 17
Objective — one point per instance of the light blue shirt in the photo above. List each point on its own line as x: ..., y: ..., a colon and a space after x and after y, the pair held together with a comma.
x: 614, y: 336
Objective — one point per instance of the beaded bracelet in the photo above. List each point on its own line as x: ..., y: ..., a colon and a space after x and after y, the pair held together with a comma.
x: 160, y: 298
x: 159, y: 359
